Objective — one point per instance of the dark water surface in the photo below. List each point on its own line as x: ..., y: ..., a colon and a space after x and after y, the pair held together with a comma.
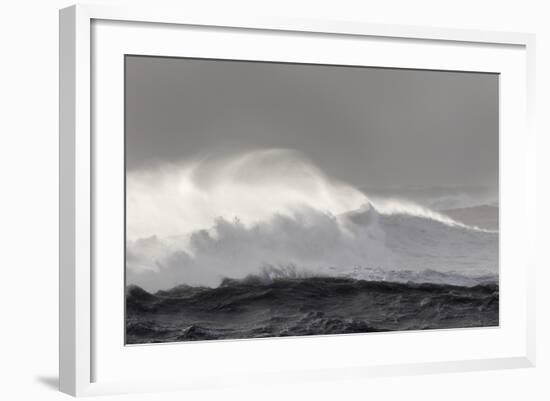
x: 253, y: 308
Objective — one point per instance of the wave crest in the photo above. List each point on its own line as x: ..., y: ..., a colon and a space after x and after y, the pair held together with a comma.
x: 180, y: 199
x: 272, y: 212
x: 315, y: 243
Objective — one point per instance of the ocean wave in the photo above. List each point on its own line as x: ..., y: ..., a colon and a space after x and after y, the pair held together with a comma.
x: 367, y: 243
x: 253, y: 307
x: 216, y: 218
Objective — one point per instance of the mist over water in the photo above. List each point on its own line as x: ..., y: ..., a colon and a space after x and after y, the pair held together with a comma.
x: 273, y: 212
x: 178, y: 199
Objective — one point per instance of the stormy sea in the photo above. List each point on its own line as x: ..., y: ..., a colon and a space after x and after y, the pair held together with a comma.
x: 252, y: 308
x: 314, y: 257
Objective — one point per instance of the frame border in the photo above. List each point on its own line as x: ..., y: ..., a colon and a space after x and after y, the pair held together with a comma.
x: 76, y: 184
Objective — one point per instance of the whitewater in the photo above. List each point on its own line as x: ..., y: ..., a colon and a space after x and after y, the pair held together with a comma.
x: 272, y: 213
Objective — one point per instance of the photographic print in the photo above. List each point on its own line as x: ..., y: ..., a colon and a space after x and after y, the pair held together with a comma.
x: 267, y: 199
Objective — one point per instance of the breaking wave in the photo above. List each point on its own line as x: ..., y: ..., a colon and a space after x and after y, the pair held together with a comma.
x: 273, y: 212
x: 180, y: 199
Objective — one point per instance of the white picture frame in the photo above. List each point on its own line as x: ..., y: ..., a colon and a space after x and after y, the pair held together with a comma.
x: 90, y: 365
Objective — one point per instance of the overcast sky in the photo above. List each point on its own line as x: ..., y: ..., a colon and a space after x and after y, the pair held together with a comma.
x: 370, y: 127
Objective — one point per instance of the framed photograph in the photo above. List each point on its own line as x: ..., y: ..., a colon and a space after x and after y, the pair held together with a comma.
x: 250, y: 201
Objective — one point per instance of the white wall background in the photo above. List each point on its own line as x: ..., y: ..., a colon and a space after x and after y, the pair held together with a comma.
x: 29, y: 185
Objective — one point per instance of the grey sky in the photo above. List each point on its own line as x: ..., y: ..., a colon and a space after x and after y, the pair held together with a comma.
x: 370, y: 127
